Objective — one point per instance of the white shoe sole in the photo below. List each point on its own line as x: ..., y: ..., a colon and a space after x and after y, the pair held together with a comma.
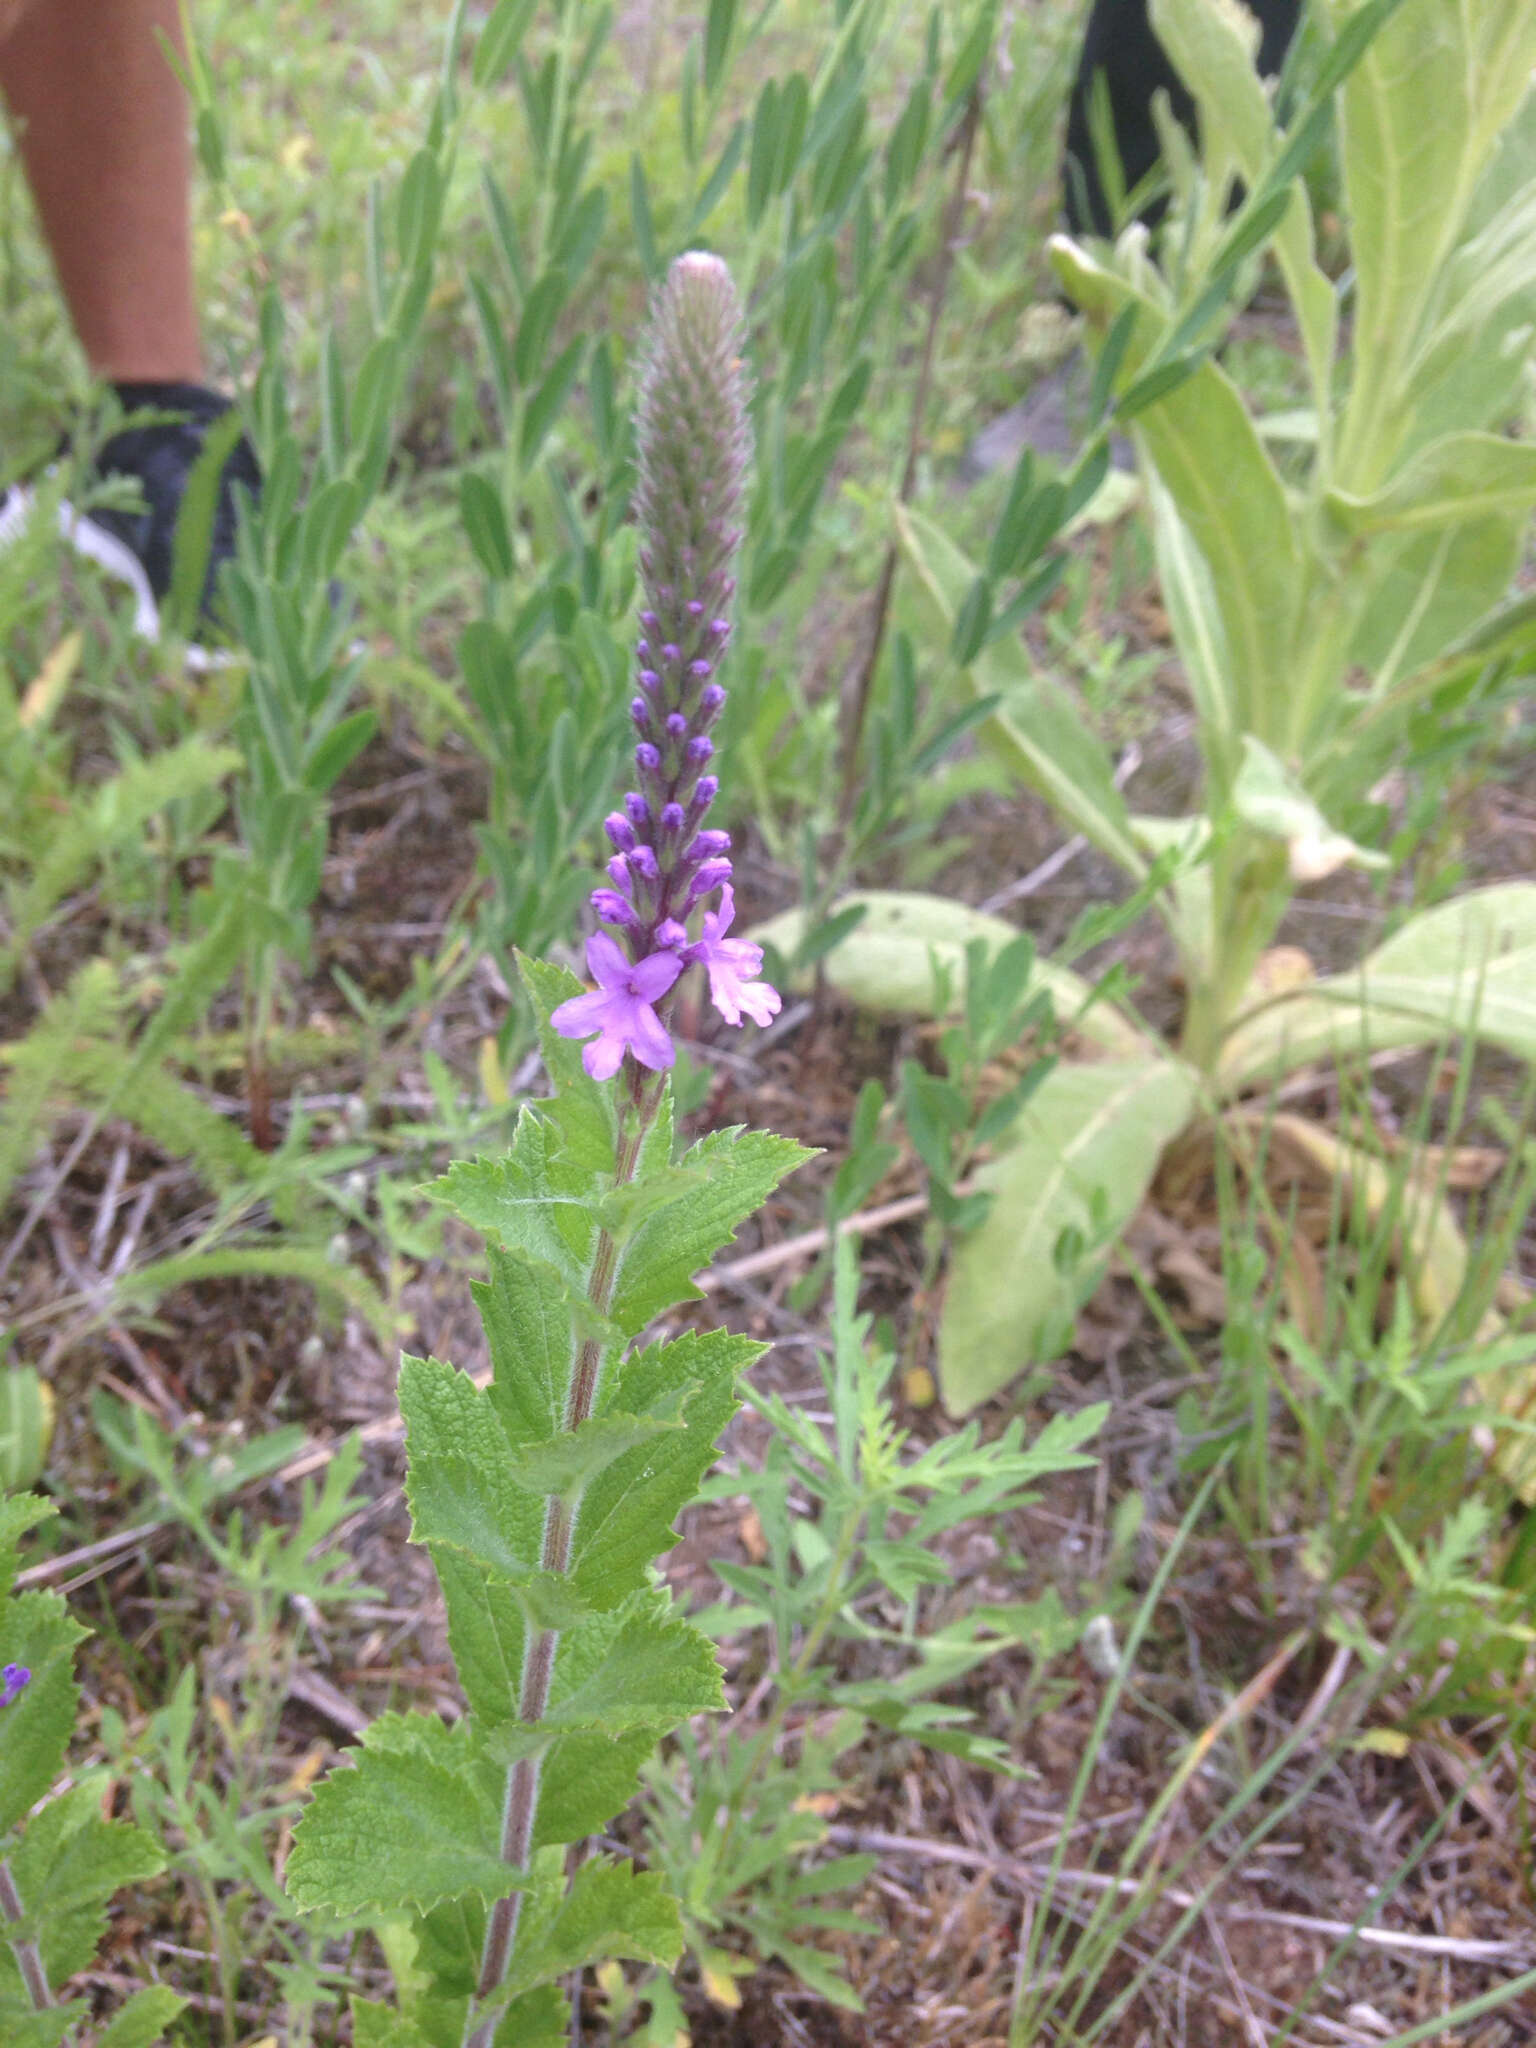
x: 114, y: 558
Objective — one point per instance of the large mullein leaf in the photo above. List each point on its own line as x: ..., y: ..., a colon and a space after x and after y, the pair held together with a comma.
x: 1085, y: 1149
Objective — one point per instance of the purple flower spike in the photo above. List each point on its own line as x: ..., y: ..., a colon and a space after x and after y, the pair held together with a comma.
x: 732, y: 965
x: 16, y: 1677
x: 620, y: 1009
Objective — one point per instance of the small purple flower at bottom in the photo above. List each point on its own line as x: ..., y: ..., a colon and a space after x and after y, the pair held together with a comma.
x: 619, y: 1009
x: 730, y: 964
x: 17, y: 1678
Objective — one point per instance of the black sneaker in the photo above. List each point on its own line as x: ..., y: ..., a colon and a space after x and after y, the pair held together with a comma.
x: 136, y: 548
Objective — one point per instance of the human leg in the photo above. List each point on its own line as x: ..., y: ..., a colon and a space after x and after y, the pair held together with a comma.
x: 102, y: 131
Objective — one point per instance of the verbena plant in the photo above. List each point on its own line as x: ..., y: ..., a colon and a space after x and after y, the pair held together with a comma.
x: 544, y: 1495
x: 60, y: 1859
x: 1318, y: 606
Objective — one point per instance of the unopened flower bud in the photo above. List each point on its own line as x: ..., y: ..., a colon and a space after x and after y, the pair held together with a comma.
x: 702, y: 669
x: 711, y: 844
x: 699, y: 748
x: 637, y: 810
x: 677, y: 725
x: 672, y: 818
x: 640, y: 712
x: 670, y: 933
x: 708, y: 879
x: 671, y: 652
x: 648, y: 679
x: 643, y: 861
x: 614, y: 908
x: 647, y: 758
x: 711, y: 701
x: 621, y: 834
x: 618, y: 871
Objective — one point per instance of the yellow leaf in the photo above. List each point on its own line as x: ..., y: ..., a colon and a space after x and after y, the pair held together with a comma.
x: 304, y: 1774
x: 493, y: 1080
x: 917, y: 1387
x: 49, y: 684
x: 715, y: 1970
x: 1383, y: 1742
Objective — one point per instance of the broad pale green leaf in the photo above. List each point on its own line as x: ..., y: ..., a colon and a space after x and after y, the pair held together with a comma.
x: 1419, y: 117
x: 143, y: 2020
x: 1461, y: 478
x: 1270, y: 800
x: 415, y: 1819
x: 1199, y: 633
x: 1088, y: 1144
x: 641, y: 1666
x: 626, y: 1516
x: 1227, y: 492
x: 887, y: 962
x: 459, y: 1483
x: 1037, y: 729
x: 42, y: 2029
x: 1213, y: 48
x: 611, y: 1910
x: 1466, y: 967
x: 37, y: 1630
x: 734, y: 1172
x: 585, y: 1781
x: 1428, y: 590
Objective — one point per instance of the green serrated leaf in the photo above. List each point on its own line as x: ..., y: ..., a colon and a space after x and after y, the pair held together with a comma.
x: 564, y: 1464
x: 611, y: 1910
x: 736, y: 1172
x: 19, y: 1513
x: 414, y: 1820
x: 143, y: 2020
x: 535, y: 1199
x: 626, y: 1516
x: 459, y: 1486
x: 38, y: 1631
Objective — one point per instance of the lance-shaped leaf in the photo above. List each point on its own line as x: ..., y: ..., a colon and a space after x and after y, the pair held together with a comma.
x: 1458, y: 478
x: 414, y: 1819
x: 611, y: 1910
x: 1268, y: 798
x: 1088, y: 1144
x: 736, y: 1171
x: 627, y: 1513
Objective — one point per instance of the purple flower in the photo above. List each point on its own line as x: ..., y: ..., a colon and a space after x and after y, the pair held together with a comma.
x: 16, y: 1679
x: 730, y: 965
x: 620, y: 1009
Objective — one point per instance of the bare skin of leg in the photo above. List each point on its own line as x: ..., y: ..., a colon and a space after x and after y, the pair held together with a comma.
x: 102, y: 129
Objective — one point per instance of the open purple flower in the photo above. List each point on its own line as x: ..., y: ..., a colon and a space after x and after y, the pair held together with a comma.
x: 620, y: 1009
x: 731, y: 965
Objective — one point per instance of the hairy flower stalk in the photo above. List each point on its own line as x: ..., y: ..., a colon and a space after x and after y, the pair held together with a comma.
x: 668, y: 867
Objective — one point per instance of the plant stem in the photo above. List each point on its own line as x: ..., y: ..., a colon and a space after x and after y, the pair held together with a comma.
x: 522, y: 1795
x: 28, y: 1959
x: 954, y: 213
